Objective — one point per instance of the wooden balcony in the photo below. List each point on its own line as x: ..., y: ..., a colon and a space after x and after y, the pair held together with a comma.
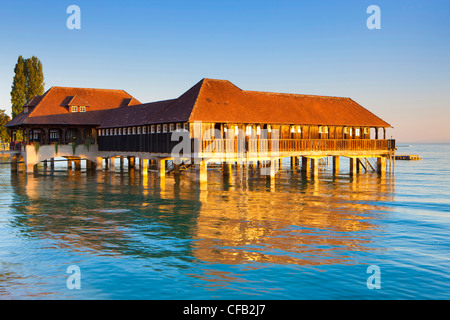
x: 264, y: 146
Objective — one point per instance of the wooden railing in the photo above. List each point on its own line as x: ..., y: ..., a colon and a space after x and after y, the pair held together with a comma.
x: 292, y: 145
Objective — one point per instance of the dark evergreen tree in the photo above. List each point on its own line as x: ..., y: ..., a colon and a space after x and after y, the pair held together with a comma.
x: 19, y: 87
x: 35, y: 77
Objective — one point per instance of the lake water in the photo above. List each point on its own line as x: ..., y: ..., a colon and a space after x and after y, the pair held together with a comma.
x: 241, y: 239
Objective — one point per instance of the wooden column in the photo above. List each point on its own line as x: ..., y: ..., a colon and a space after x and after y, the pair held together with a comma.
x: 315, y: 167
x: 335, y: 164
x: 353, y: 166
x: 131, y: 162
x: 381, y: 165
x: 202, y: 173
x: 143, y: 165
x: 112, y: 163
x: 77, y: 164
x: 306, y: 165
x: 98, y: 163
x: 14, y: 164
x: 226, y: 169
x: 273, y: 168
x: 162, y: 168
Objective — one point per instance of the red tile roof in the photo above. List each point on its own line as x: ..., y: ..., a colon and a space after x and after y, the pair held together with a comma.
x: 56, y: 100
x: 222, y: 101
x: 209, y: 100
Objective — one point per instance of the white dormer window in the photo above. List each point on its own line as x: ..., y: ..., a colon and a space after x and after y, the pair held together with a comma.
x: 82, y: 109
x: 25, y: 110
x: 73, y: 109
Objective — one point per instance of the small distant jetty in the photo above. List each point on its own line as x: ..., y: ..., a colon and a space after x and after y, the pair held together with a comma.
x: 408, y: 157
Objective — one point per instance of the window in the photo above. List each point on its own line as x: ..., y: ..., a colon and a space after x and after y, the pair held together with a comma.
x: 54, y: 134
x: 124, y: 131
x: 292, y: 129
x: 134, y: 130
x: 269, y: 128
x: 236, y: 130
x: 138, y: 130
x: 144, y: 130
x: 357, y: 131
x: 345, y: 130
x: 366, y: 131
x: 326, y: 129
x: 248, y: 130
x: 158, y: 128
x: 129, y: 130
x: 299, y: 129
x: 25, y: 110
x: 178, y: 126
x: 74, y: 109
x: 115, y: 131
x: 172, y: 127
x: 82, y: 109
x: 164, y: 127
x: 119, y: 131
x: 153, y: 128
x: 351, y: 132
x: 258, y: 130
x: 186, y: 126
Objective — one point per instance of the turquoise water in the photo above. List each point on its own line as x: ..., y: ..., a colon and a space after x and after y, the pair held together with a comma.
x: 241, y: 239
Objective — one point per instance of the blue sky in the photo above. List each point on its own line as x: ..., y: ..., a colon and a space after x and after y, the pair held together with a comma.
x: 158, y: 49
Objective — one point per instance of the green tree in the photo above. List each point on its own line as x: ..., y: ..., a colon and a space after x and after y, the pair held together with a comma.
x: 4, y: 132
x: 28, y: 82
x: 35, y: 77
x: 19, y: 87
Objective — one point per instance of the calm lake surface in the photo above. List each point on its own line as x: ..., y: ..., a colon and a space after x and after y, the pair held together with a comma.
x: 238, y: 239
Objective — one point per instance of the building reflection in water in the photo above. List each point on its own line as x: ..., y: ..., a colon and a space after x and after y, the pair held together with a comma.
x: 237, y: 221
